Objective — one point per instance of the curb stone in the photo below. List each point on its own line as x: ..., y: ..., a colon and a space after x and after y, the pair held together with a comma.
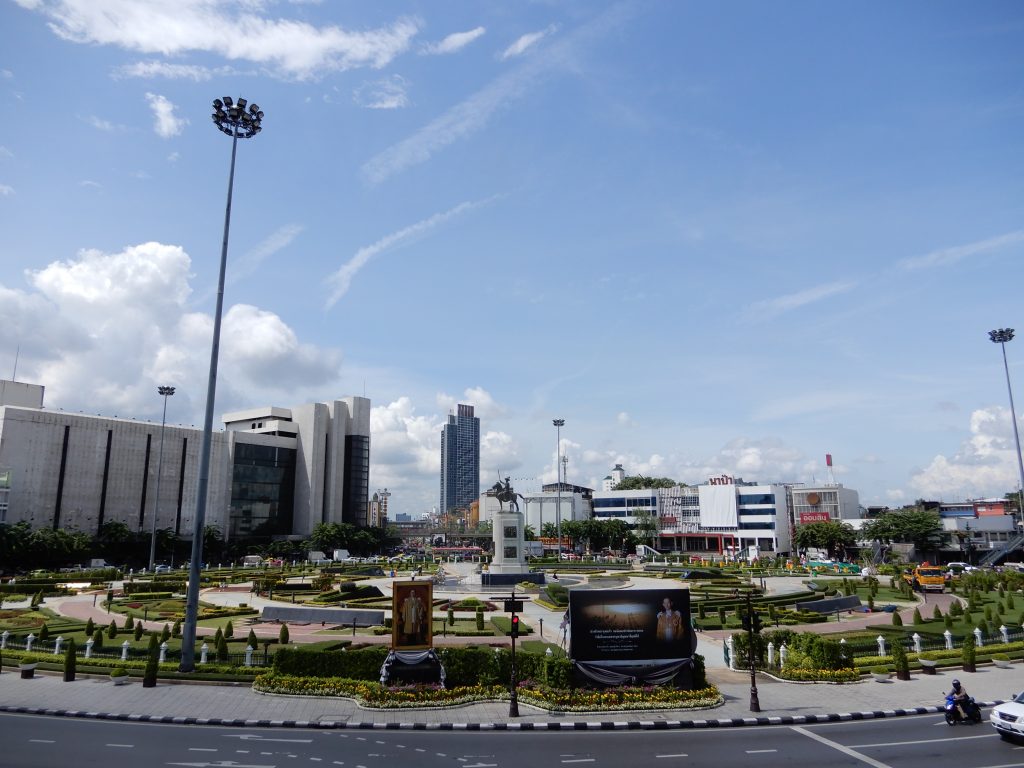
x: 601, y: 725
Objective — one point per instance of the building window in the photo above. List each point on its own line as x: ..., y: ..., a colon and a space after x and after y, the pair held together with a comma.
x: 262, y: 491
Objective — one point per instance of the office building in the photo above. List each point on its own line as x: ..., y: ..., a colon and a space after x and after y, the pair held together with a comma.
x: 460, y: 460
x: 274, y: 472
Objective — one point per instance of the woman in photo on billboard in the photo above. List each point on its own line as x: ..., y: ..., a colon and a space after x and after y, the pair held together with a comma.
x: 670, y: 622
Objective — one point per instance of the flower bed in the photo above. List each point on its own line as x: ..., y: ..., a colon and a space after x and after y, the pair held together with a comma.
x: 819, y: 675
x: 375, y: 695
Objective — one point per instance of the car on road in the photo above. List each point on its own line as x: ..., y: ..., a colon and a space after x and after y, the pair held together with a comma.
x: 162, y: 569
x: 1008, y: 718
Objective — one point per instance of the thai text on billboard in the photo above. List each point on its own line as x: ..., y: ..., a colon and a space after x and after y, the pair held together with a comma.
x: 814, y: 517
x: 636, y: 625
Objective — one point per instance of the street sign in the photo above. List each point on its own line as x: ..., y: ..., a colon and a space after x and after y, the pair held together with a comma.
x: 513, y: 606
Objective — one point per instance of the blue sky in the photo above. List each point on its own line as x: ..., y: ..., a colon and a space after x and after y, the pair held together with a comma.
x: 713, y: 237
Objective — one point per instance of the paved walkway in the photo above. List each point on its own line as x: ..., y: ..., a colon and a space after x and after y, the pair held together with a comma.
x: 780, y: 702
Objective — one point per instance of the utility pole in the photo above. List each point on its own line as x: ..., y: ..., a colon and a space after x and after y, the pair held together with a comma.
x: 755, y: 704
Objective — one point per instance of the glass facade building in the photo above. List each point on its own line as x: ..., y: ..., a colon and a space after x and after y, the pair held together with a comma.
x: 460, y: 460
x: 262, y: 491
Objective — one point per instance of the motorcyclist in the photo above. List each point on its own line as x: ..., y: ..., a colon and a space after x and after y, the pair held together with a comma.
x: 960, y: 698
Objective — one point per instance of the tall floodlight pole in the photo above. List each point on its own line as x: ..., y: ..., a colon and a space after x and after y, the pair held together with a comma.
x: 1000, y: 336
x: 233, y: 119
x: 165, y: 392
x: 559, y: 423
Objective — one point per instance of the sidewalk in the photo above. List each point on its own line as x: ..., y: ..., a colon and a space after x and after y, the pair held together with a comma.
x: 780, y: 703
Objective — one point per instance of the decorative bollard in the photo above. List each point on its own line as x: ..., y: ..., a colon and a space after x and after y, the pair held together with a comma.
x: 248, y: 655
x: 771, y: 655
x: 732, y: 656
x: 783, y: 653
x: 163, y: 652
x: 57, y: 644
x: 28, y: 642
x: 124, y: 650
x: 88, y: 648
x: 978, y: 640
x: 881, y: 645
x: 1005, y: 632
x: 917, y: 642
x: 203, y: 651
x: 949, y: 639
x: 3, y: 640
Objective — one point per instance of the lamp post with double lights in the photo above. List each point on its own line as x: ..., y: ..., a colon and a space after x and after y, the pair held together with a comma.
x: 165, y: 392
x: 231, y: 118
x: 559, y: 423
x: 1000, y: 336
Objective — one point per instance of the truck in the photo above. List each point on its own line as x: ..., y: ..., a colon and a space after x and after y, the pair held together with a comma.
x: 252, y: 561
x: 926, y: 578
x: 533, y: 548
x: 341, y: 555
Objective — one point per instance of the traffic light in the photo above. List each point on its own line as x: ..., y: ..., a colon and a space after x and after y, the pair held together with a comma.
x: 515, y: 626
x: 751, y: 622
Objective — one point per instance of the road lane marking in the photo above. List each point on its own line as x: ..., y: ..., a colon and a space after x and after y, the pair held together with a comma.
x: 42, y: 741
x: 201, y: 749
x: 681, y: 754
x: 125, y: 746
x: 760, y: 751
x: 254, y: 737
x: 580, y: 760
x: 923, y: 741
x: 840, y: 748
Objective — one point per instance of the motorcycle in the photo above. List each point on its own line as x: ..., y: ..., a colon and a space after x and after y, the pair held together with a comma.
x: 972, y: 712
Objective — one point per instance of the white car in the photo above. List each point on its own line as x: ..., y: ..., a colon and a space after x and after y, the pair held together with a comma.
x: 1008, y: 718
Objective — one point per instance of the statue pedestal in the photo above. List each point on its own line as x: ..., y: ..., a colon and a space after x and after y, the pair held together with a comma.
x: 509, y: 565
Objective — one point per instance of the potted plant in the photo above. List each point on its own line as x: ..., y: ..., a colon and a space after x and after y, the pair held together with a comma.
x: 881, y: 674
x: 28, y: 665
x: 1001, y: 660
x: 119, y: 676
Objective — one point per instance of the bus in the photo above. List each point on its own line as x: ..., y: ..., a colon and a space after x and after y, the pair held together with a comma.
x: 459, y: 553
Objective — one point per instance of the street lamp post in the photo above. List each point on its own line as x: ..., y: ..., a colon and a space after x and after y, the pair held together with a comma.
x: 232, y: 119
x: 1000, y: 336
x: 165, y: 392
x: 559, y: 423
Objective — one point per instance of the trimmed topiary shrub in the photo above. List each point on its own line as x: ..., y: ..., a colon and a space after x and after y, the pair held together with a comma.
x: 229, y: 629
x: 138, y: 631
x: 176, y: 629
x: 917, y: 618
x: 152, y: 667
x: 165, y: 634
x: 97, y: 639
x: 896, y: 620
x: 112, y: 630
x: 480, y: 619
x: 937, y: 613
x: 899, y: 660
x: 251, y: 641
x: 129, y: 622
x: 283, y: 638
x: 89, y: 627
x: 968, y: 654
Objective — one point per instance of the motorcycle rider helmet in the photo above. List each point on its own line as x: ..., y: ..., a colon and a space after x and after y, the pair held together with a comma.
x: 956, y: 685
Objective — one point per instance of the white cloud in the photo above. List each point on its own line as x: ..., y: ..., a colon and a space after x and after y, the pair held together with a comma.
x: 342, y: 279
x: 100, y: 124
x: 453, y: 42
x: 6, y: 154
x: 806, y: 403
x: 90, y: 183
x: 6, y: 74
x: 499, y: 455
x: 6, y: 189
x: 623, y: 420
x: 985, y: 464
x: 387, y: 93
x: 234, y: 30
x: 165, y: 123
x: 154, y: 69
x: 520, y: 46
x: 278, y: 240
x: 485, y: 407
x: 173, y: 157
x: 101, y: 330
x: 945, y: 256
x: 771, y: 307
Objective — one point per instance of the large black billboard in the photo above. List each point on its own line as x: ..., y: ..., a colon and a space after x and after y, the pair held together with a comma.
x: 635, y: 625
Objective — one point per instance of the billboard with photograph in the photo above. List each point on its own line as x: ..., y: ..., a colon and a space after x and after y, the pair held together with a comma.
x: 635, y: 625
x: 412, y: 620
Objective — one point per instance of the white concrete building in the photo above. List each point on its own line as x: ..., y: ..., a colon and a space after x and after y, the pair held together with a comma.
x: 273, y: 471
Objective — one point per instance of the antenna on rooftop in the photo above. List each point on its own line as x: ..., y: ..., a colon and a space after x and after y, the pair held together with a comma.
x: 17, y: 354
x: 831, y: 474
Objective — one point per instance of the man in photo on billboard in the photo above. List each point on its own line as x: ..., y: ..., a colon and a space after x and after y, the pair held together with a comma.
x: 414, y: 612
x: 670, y: 622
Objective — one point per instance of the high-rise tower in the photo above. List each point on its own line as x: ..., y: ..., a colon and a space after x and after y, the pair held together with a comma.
x: 460, y: 460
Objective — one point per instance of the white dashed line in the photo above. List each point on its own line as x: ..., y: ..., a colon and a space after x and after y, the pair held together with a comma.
x: 123, y: 746
x: 681, y: 754
x: 760, y: 751
x: 42, y: 741
x: 580, y: 760
x: 201, y: 749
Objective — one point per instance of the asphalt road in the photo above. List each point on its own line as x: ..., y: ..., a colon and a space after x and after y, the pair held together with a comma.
x: 909, y: 742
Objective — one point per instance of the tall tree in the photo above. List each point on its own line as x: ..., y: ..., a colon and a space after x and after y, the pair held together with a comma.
x: 639, y: 483
x: 832, y: 536
x: 911, y: 525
